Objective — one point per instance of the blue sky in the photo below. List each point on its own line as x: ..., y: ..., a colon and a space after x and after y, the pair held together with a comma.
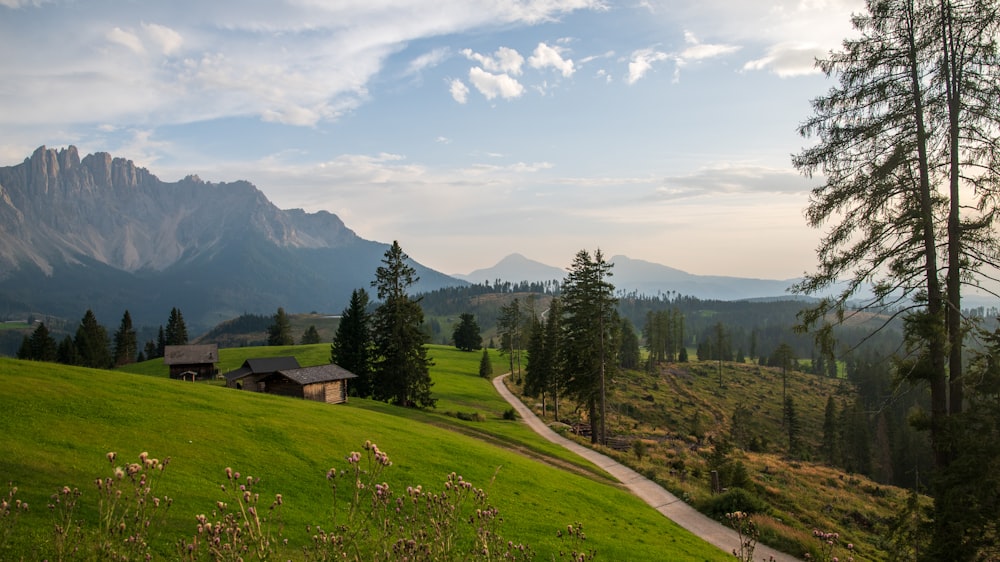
x: 465, y: 129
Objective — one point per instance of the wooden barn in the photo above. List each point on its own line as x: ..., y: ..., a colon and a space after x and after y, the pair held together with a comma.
x: 192, y: 362
x: 283, y: 376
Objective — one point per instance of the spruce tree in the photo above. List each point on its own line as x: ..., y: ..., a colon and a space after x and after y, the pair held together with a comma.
x: 66, y: 353
x: 401, y: 367
x: 149, y: 350
x: 485, y: 365
x: 126, y: 346
x: 590, y: 325
x: 280, y: 330
x: 161, y: 343
x: 310, y: 336
x: 92, y: 344
x: 466, y: 334
x: 352, y: 344
x: 628, y: 352
x: 176, y: 333
x: 40, y: 346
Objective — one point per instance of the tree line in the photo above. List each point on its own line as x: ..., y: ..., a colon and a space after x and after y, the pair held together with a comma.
x: 91, y: 346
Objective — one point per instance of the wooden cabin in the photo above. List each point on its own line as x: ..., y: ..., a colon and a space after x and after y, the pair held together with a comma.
x: 322, y: 383
x: 252, y: 372
x: 192, y: 362
x: 283, y: 376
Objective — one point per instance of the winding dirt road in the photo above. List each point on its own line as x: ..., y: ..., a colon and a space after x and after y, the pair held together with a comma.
x: 661, y: 500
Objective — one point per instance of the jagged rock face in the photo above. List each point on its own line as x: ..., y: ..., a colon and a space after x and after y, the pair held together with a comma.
x: 58, y: 208
x: 104, y: 234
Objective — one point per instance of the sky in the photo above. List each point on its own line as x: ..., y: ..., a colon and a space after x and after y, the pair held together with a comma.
x: 467, y: 130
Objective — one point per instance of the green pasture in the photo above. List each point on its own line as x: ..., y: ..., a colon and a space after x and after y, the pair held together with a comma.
x: 59, y: 422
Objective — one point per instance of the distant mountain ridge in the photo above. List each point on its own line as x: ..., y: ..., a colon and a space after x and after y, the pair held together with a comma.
x: 102, y: 233
x: 515, y: 267
x: 643, y: 277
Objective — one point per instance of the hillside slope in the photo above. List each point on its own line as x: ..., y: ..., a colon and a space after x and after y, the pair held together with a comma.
x: 60, y: 422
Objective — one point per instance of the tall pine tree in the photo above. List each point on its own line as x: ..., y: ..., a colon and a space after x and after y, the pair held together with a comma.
x: 91, y: 343
x: 401, y: 367
x: 352, y: 346
x: 125, y: 342
x: 590, y: 324
x: 176, y: 332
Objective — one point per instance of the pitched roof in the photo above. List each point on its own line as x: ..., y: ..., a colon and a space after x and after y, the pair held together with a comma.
x: 238, y: 374
x: 271, y: 364
x: 190, y: 354
x: 319, y: 373
x: 261, y: 365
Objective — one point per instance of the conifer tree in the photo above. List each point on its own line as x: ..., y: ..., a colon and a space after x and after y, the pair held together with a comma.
x: 40, y: 346
x: 280, y: 330
x: 352, y: 346
x: 161, y: 343
x: 310, y: 336
x: 401, y: 368
x: 92, y: 344
x: 485, y: 365
x: 67, y: 354
x: 628, y: 352
x: 176, y: 333
x: 466, y: 334
x: 125, y: 346
x: 590, y: 325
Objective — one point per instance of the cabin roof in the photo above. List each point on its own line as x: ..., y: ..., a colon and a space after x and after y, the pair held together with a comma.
x: 190, y: 354
x: 317, y: 374
x: 261, y: 365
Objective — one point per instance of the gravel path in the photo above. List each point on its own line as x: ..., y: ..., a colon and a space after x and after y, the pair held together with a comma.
x: 653, y: 494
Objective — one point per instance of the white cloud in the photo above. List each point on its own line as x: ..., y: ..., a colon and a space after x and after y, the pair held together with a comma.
x: 459, y: 91
x: 546, y: 56
x: 642, y: 62
x: 493, y: 85
x: 427, y: 60
x: 504, y: 61
x: 168, y: 40
x: 126, y: 39
x: 789, y: 59
x: 734, y: 178
x: 700, y: 51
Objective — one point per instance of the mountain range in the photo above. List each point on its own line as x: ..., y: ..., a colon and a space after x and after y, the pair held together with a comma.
x: 642, y: 277
x: 104, y: 234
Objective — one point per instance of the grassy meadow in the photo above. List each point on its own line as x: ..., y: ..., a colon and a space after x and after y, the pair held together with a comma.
x: 59, y: 423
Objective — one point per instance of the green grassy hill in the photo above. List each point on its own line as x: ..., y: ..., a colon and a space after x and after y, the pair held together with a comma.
x: 59, y: 422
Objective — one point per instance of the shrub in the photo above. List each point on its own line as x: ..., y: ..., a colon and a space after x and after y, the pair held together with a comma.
x: 736, y: 499
x: 470, y: 416
x: 509, y: 414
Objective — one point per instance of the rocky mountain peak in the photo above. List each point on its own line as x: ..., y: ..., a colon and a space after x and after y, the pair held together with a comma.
x: 56, y: 208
